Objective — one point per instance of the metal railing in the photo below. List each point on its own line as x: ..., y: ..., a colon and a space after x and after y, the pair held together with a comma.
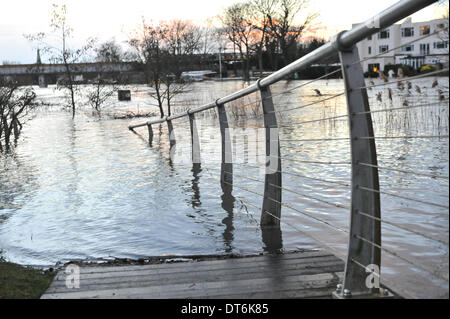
x: 364, y: 246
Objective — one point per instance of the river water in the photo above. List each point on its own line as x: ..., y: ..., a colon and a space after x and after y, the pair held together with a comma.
x: 88, y: 188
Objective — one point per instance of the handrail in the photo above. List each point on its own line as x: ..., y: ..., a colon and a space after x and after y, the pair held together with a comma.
x: 398, y: 11
x: 364, y: 246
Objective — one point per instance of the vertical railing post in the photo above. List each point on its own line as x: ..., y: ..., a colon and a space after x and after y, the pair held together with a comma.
x: 172, y: 147
x: 364, y: 257
x: 195, y: 141
x: 272, y: 184
x: 171, y: 133
x: 226, y: 175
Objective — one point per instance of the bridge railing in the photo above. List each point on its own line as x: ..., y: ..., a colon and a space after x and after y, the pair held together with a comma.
x: 364, y: 245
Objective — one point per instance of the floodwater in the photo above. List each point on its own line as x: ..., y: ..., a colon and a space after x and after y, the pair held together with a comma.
x: 88, y: 188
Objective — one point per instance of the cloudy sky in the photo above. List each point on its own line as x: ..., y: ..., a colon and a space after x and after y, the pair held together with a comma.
x: 105, y: 19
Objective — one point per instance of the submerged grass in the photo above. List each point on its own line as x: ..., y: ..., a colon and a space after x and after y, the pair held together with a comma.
x: 20, y: 282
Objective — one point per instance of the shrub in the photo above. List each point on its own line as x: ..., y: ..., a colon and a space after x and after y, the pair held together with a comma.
x: 427, y: 68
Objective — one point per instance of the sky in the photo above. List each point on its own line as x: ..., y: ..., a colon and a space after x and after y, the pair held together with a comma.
x: 105, y: 19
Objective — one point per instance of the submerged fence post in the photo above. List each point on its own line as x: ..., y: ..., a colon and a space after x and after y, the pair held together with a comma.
x: 226, y: 172
x: 364, y: 257
x: 171, y: 133
x: 172, y: 140
x: 195, y: 142
x: 272, y: 184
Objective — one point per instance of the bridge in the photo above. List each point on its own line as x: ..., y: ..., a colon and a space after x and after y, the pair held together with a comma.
x: 302, y: 274
x: 39, y: 73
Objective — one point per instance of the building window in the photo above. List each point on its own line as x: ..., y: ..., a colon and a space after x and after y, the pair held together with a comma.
x: 408, y: 48
x: 425, y: 49
x: 383, y: 34
x: 440, y: 45
x: 374, y: 67
x: 424, y: 30
x: 383, y: 48
x: 369, y: 38
x: 407, y: 32
x: 369, y: 50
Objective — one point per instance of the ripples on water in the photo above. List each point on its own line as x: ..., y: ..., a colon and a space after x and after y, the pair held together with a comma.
x: 87, y: 188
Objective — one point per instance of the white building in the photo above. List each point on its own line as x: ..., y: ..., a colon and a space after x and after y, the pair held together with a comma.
x: 430, y: 50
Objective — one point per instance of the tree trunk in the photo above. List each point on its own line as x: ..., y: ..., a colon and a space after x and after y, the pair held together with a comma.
x: 260, y: 61
x: 15, y: 126
x: 158, y: 97
x: 247, y: 69
x: 7, y: 131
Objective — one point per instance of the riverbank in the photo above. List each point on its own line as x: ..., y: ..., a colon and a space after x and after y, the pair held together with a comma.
x: 20, y: 282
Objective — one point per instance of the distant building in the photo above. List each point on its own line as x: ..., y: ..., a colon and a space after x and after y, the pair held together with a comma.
x: 431, y: 50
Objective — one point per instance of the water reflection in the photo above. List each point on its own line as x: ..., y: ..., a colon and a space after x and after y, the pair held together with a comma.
x: 272, y: 239
x: 196, y: 170
x: 18, y: 185
x: 228, y: 201
x: 74, y: 200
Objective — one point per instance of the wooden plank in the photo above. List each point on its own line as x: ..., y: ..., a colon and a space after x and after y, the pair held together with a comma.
x: 295, y: 275
x: 205, y: 289
x: 202, y: 267
x: 155, y: 279
x: 194, y: 264
x: 129, y: 276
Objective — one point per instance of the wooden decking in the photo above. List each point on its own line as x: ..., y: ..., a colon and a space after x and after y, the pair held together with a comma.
x: 312, y: 274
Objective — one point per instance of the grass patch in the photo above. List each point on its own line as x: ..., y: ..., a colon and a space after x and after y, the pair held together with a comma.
x: 19, y: 282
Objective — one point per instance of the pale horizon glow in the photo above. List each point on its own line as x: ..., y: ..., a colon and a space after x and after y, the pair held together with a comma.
x: 107, y: 19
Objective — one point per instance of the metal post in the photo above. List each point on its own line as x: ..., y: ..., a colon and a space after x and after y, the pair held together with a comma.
x: 272, y: 185
x: 195, y: 142
x: 363, y: 257
x: 226, y: 176
x: 150, y: 134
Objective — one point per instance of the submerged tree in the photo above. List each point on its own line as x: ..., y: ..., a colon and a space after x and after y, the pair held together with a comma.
x: 165, y: 50
x: 16, y: 107
x: 57, y: 46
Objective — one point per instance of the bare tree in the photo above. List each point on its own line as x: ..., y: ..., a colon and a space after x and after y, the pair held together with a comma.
x: 16, y: 107
x: 240, y: 30
x: 261, y: 10
x: 208, y: 38
x: 283, y: 28
x: 165, y: 50
x: 147, y: 40
x: 99, y: 92
x: 61, y: 52
x: 109, y: 51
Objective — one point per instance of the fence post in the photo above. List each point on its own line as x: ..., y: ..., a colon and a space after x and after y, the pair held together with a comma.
x: 226, y: 175
x: 272, y: 184
x: 364, y: 258
x: 195, y: 142
x: 171, y: 133
x: 150, y: 134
